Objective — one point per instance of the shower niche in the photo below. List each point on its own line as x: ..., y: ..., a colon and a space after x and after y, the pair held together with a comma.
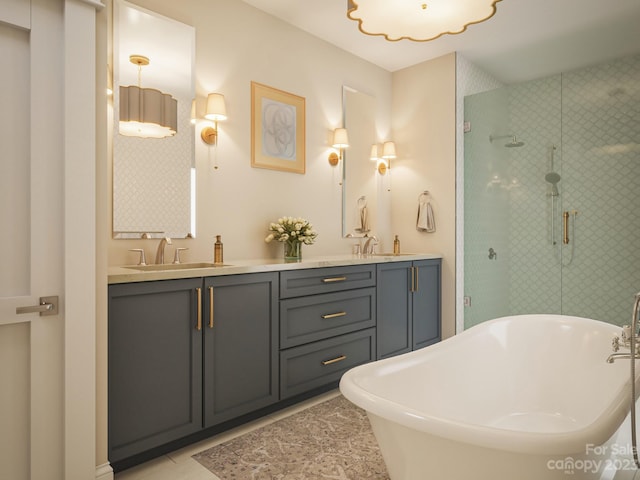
x: 550, y: 183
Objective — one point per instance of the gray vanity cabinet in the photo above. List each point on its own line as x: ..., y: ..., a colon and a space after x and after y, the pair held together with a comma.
x: 240, y: 323
x: 408, y: 306
x: 155, y: 365
x: 191, y: 354
x: 426, y: 303
x: 327, y: 325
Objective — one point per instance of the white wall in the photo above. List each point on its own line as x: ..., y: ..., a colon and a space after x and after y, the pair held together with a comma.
x: 424, y: 129
x: 236, y: 44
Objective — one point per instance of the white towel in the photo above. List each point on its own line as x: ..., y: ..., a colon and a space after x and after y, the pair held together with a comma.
x: 425, y: 222
x: 363, y: 220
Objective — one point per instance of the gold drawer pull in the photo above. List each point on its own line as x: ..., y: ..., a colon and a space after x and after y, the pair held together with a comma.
x: 335, y: 360
x: 334, y: 315
x: 199, y: 307
x: 334, y: 279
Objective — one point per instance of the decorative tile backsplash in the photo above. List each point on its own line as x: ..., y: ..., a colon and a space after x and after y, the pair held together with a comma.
x: 592, y: 117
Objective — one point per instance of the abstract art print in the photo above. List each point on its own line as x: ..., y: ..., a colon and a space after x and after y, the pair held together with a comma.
x: 277, y: 129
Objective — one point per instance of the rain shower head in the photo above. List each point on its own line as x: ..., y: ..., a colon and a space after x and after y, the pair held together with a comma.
x: 513, y: 143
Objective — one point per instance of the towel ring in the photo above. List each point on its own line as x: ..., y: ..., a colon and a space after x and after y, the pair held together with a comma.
x: 362, y: 202
x: 424, y: 194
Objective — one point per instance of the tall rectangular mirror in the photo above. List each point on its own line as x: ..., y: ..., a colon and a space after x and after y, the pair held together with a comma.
x: 153, y: 178
x: 359, y: 190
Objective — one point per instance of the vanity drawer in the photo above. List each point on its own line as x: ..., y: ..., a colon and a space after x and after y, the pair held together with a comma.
x: 296, y: 283
x: 316, y: 317
x: 320, y: 363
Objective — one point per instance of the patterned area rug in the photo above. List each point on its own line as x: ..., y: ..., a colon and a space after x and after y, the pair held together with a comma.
x: 331, y: 440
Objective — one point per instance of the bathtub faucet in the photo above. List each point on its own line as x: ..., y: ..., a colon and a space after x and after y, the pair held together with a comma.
x: 628, y: 337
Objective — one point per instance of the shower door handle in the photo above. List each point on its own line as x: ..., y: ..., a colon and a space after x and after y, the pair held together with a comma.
x: 565, y: 223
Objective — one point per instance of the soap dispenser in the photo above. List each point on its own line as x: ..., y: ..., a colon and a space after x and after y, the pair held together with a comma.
x: 396, y: 246
x: 217, y: 251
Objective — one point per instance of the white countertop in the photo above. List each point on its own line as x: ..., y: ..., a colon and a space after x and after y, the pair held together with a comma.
x: 129, y: 274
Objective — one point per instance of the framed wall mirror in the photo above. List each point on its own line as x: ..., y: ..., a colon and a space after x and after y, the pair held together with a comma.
x: 359, y: 189
x: 153, y: 178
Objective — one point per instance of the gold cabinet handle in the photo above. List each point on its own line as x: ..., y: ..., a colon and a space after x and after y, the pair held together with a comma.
x: 414, y: 279
x: 199, y: 308
x: 210, y: 307
x: 334, y: 279
x: 334, y: 360
x: 334, y: 315
x: 565, y: 221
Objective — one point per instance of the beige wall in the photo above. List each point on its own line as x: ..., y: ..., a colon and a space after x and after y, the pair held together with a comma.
x: 424, y: 129
x: 237, y: 44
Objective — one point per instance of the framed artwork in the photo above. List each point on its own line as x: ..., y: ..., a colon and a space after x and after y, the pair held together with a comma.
x: 277, y: 129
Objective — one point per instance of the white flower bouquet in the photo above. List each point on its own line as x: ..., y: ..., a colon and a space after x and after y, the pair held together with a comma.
x: 292, y: 230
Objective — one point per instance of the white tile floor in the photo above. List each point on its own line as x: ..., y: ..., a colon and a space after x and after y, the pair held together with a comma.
x: 179, y: 465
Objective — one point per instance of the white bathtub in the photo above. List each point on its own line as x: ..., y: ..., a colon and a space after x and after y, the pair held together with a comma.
x: 520, y: 397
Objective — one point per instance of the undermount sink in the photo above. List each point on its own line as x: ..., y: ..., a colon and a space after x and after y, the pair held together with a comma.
x: 176, y: 266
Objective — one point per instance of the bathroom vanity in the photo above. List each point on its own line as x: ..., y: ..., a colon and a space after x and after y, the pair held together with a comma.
x: 196, y: 351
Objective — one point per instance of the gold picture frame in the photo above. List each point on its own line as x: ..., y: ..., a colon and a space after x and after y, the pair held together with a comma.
x: 277, y: 129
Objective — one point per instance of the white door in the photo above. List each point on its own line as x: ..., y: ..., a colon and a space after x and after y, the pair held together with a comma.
x: 31, y: 242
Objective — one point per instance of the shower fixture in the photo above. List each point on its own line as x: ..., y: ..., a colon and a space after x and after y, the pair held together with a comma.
x: 553, y: 178
x: 513, y: 143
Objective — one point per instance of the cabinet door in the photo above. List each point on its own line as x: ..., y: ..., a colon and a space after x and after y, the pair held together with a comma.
x: 155, y: 365
x: 240, y: 345
x: 394, y: 309
x: 426, y: 303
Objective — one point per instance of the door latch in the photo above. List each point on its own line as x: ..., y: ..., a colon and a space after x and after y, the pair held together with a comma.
x: 47, y: 306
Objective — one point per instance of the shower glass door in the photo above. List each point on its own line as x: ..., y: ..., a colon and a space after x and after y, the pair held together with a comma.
x: 552, y: 217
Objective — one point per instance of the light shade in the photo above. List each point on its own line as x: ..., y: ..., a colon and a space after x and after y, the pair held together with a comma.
x: 147, y: 113
x: 419, y: 21
x: 340, y: 138
x: 389, y: 150
x: 374, y: 152
x: 216, y: 108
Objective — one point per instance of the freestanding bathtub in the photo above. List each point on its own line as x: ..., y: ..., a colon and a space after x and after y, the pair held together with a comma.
x: 519, y: 397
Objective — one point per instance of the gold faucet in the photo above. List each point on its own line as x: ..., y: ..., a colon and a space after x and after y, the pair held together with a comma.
x: 370, y: 245
x: 160, y: 252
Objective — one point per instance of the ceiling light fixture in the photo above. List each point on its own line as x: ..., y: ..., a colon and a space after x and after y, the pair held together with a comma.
x: 418, y: 20
x: 146, y: 112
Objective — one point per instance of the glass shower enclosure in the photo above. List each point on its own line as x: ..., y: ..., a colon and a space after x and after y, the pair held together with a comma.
x: 552, y: 196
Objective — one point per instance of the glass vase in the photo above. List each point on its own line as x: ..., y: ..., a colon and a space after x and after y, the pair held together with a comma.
x: 292, y: 252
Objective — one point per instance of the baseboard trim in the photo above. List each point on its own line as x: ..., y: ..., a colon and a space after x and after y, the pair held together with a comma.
x: 104, y: 472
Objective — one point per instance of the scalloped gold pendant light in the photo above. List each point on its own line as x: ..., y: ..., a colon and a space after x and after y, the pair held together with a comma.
x: 146, y: 112
x: 418, y: 20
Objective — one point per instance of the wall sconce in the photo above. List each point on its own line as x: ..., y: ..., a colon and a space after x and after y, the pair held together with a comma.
x: 216, y: 111
x: 146, y: 112
x: 388, y: 152
x: 340, y: 141
x: 374, y: 156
